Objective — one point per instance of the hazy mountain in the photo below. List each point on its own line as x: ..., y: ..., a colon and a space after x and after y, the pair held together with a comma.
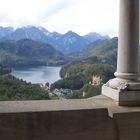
x: 4, y: 31
x: 101, y: 47
x: 67, y: 43
x: 71, y: 42
x: 104, y: 49
x: 91, y: 37
x: 29, y: 32
x: 29, y: 52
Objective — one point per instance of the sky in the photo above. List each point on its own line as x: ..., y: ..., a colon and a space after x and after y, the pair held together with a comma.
x: 81, y: 16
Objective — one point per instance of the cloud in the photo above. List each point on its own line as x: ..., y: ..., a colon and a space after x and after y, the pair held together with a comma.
x: 87, y: 16
x: 82, y: 16
x: 2, y: 17
x: 55, y: 9
x: 58, y: 7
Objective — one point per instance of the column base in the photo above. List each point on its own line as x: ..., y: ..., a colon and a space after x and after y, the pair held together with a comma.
x: 125, y: 95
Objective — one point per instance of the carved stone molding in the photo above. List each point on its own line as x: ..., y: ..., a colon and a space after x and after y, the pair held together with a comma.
x: 123, y: 85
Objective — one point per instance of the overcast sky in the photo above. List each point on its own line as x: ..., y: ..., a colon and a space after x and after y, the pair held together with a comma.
x: 81, y: 16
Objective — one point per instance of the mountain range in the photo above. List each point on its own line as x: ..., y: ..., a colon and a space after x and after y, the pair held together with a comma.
x: 67, y: 43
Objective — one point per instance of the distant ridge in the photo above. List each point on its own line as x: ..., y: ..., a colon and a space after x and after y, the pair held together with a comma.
x: 93, y: 36
x: 104, y: 49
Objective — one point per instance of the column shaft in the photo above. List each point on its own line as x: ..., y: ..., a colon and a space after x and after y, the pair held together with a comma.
x: 128, y: 45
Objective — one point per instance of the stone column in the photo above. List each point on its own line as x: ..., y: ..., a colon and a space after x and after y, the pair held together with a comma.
x: 125, y: 88
x: 128, y: 45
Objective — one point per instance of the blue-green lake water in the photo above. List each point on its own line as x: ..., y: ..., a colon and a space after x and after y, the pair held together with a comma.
x: 38, y: 74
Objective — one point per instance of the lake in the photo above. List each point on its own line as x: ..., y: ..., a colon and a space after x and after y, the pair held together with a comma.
x: 37, y: 74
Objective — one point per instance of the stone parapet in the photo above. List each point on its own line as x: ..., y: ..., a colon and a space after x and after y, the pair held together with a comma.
x: 97, y: 118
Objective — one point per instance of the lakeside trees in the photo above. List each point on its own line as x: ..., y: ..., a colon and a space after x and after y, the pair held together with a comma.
x: 12, y: 88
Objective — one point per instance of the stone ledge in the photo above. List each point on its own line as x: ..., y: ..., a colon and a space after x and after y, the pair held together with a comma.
x: 96, y: 102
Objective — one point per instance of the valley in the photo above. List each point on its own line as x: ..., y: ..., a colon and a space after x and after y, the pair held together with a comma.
x: 82, y: 58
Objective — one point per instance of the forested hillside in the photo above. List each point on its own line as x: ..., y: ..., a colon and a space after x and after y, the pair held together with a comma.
x: 79, y: 76
x: 29, y: 52
x: 105, y: 50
